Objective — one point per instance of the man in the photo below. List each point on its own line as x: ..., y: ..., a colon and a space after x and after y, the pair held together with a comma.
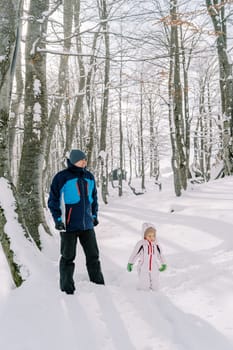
x: 76, y: 186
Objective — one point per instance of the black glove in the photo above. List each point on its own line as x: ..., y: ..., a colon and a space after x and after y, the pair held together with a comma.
x: 95, y: 221
x: 59, y: 225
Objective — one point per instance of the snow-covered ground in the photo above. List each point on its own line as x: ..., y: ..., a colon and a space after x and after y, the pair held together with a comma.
x: 192, y: 311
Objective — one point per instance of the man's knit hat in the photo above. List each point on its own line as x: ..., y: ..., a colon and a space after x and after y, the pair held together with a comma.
x: 76, y: 155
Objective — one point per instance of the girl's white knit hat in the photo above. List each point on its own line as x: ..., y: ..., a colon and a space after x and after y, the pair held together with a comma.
x: 147, y: 225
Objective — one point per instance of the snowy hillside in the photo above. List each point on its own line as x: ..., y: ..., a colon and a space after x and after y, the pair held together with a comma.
x: 192, y: 311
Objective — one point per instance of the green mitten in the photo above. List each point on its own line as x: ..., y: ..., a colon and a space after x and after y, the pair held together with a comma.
x: 163, y: 267
x: 130, y: 267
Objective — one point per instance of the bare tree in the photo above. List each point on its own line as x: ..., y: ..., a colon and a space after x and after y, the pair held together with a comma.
x: 9, y: 38
x: 175, y: 106
x: 216, y: 10
x: 90, y: 98
x: 9, y: 35
x: 60, y: 94
x: 82, y: 80
x: 104, y: 112
x: 30, y: 181
x: 16, y: 106
x: 141, y: 123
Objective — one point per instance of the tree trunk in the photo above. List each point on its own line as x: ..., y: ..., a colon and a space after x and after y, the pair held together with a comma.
x: 82, y: 80
x: 171, y: 91
x: 185, y: 66
x: 62, y: 83
x: 176, y: 115
x: 178, y: 105
x: 104, y: 113
x: 90, y: 102
x: 130, y: 147
x: 120, y: 176
x: 30, y: 181
x: 15, y: 107
x: 9, y: 40
x: 9, y: 254
x: 216, y: 10
x: 154, y: 149
x: 141, y: 136
x: 210, y: 140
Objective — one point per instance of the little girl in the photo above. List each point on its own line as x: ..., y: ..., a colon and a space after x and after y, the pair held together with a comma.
x: 150, y: 259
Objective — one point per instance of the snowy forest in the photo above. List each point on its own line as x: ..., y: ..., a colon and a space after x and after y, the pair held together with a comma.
x: 144, y: 88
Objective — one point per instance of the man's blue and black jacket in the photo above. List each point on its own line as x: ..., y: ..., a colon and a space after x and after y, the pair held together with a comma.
x: 76, y: 186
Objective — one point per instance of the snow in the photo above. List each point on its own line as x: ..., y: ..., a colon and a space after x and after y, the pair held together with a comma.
x: 45, y: 13
x: 2, y: 58
x: 24, y: 249
x: 37, y: 112
x: 193, y: 309
x: 37, y: 87
x: 102, y: 154
x: 34, y: 47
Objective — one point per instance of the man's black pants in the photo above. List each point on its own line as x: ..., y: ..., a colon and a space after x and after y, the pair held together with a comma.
x: 68, y: 253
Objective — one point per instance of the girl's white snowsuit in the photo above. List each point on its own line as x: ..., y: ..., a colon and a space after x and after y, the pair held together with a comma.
x: 150, y: 259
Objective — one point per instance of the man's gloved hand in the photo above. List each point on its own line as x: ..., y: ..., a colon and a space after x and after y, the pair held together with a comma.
x: 95, y: 221
x: 163, y: 267
x: 59, y: 225
x: 130, y: 267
